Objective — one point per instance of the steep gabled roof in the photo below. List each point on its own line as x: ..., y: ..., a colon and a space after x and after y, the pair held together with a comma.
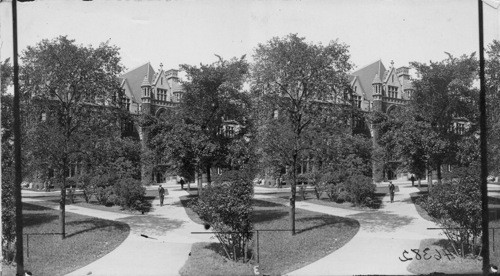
x: 367, y: 74
x: 136, y: 76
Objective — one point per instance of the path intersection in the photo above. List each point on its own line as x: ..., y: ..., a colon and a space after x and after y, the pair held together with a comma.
x: 383, y: 236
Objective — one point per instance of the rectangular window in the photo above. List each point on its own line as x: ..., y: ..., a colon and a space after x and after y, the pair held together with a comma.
x: 392, y: 91
x: 162, y: 94
x: 229, y: 131
x: 460, y: 128
x: 126, y: 103
x: 357, y: 101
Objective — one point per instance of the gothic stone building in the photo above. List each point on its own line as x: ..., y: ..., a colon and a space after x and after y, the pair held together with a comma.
x: 150, y: 92
x: 376, y: 88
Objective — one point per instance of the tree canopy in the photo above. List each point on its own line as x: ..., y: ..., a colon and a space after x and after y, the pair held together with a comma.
x: 492, y: 71
x: 293, y: 83
x: 426, y: 133
x: 70, y: 93
x: 211, y: 126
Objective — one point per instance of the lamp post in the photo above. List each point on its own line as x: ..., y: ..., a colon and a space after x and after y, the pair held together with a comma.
x: 17, y: 150
x: 483, y: 146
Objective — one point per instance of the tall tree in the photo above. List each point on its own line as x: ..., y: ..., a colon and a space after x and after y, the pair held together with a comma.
x: 8, y: 203
x: 296, y: 79
x: 424, y: 134
x: 71, y: 91
x: 210, y: 123
x: 492, y: 71
x: 443, y: 95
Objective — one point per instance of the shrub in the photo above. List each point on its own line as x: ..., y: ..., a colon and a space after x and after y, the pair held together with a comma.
x: 102, y: 194
x: 84, y: 183
x: 129, y: 193
x: 359, y: 187
x: 227, y: 206
x: 456, y: 203
x: 342, y: 196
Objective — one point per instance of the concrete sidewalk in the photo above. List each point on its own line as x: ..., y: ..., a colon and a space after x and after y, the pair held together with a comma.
x: 163, y: 253
x: 383, y: 236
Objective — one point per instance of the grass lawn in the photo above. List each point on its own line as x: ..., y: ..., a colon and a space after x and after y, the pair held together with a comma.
x: 380, y: 192
x: 279, y: 252
x: 87, y: 239
x: 93, y: 204
x: 494, y: 236
x: 191, y: 214
x: 205, y: 259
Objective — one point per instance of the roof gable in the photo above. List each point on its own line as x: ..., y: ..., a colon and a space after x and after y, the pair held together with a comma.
x: 392, y: 79
x: 366, y: 75
x: 136, y: 76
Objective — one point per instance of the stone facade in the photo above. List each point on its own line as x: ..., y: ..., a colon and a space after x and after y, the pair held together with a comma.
x: 148, y: 92
x: 376, y: 88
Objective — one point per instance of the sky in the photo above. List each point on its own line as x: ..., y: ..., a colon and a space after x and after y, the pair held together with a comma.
x: 193, y: 31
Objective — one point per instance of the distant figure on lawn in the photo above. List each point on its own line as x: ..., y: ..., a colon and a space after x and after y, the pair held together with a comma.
x: 412, y: 180
x: 161, y: 191
x: 182, y: 183
x: 391, y: 190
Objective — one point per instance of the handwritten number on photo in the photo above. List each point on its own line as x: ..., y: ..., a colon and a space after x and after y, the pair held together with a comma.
x: 417, y: 254
x: 425, y: 254
x: 435, y: 256
x: 404, y: 256
x: 448, y: 254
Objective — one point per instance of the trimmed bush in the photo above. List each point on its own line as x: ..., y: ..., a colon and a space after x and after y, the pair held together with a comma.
x: 103, y: 194
x: 359, y: 187
x: 129, y: 193
x: 226, y: 206
x: 456, y: 203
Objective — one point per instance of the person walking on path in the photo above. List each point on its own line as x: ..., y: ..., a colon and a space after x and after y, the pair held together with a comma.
x: 412, y: 178
x: 161, y: 191
x: 391, y: 191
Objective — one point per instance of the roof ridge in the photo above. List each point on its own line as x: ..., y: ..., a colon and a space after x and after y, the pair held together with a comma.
x: 135, y: 68
x: 371, y: 63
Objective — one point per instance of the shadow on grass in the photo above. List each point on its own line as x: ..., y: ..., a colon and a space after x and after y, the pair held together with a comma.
x: 34, y: 207
x: 151, y: 225
x: 34, y: 215
x: 381, y: 221
x: 326, y: 220
x: 265, y: 203
x: 38, y: 219
x: 92, y: 224
x: 259, y: 216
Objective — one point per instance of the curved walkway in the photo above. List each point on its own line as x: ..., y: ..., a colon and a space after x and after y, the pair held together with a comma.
x: 383, y: 236
x: 163, y: 253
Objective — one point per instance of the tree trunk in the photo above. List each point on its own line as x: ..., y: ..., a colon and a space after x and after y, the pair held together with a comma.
x: 419, y: 182
x: 439, y: 176
x: 199, y: 178
x: 429, y: 180
x: 209, y: 176
x: 62, y: 202
x: 294, y: 190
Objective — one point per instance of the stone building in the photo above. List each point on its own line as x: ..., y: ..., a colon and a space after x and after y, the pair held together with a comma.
x: 376, y: 88
x: 148, y: 92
